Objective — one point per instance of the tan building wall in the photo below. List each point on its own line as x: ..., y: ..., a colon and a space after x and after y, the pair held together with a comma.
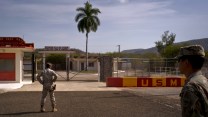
x: 78, y: 64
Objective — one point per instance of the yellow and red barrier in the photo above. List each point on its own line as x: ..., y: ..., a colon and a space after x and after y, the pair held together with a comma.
x: 145, y: 81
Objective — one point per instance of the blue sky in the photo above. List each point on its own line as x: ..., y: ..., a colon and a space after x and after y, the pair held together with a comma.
x: 132, y: 24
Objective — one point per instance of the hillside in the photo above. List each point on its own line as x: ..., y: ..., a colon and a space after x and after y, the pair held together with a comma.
x: 203, y: 42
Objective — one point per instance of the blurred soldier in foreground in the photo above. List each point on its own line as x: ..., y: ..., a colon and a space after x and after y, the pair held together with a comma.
x: 48, y: 78
x: 194, y: 94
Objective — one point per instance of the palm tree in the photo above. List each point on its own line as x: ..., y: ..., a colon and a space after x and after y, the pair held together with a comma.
x: 87, y: 21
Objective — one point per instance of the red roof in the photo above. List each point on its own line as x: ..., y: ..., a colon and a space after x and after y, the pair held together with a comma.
x: 14, y: 42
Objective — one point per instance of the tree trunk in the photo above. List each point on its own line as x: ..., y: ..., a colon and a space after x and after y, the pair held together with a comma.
x: 86, y: 69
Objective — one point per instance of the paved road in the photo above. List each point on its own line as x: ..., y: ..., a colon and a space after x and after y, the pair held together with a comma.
x: 85, y: 104
x: 89, y: 98
x: 93, y: 101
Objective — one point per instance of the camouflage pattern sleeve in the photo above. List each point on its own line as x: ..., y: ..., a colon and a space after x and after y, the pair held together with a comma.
x: 55, y: 76
x: 39, y: 79
x: 189, y: 101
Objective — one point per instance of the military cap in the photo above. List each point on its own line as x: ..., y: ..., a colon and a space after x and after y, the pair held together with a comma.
x: 48, y: 65
x: 192, y: 50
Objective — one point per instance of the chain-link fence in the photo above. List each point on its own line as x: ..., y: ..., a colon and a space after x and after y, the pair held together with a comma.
x: 136, y: 67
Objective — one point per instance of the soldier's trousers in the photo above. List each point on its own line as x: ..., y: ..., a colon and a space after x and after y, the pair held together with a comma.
x: 44, y: 95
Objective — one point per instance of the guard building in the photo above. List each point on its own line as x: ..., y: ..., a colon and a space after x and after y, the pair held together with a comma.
x: 12, y: 51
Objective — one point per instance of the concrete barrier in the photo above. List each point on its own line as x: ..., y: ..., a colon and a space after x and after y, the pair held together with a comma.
x: 129, y: 82
x: 145, y: 81
x: 114, y: 82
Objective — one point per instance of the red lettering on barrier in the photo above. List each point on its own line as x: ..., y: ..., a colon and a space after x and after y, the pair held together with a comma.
x: 144, y: 82
x: 173, y: 82
x: 159, y: 82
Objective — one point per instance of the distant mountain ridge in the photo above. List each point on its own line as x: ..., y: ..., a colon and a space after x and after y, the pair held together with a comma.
x: 203, y: 42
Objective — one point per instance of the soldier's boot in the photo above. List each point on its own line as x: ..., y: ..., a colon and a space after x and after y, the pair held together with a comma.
x: 42, y: 109
x: 54, y: 109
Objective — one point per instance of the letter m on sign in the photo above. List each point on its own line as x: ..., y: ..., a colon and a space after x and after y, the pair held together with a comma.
x: 173, y: 82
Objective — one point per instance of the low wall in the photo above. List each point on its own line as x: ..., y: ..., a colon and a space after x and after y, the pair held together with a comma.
x: 145, y: 81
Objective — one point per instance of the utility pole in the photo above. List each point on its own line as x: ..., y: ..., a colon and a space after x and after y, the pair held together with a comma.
x: 67, y: 65
x: 119, y: 49
x: 118, y: 57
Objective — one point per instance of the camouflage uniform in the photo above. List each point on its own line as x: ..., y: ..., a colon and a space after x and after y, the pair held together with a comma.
x: 192, y: 104
x: 48, y: 78
x: 190, y: 100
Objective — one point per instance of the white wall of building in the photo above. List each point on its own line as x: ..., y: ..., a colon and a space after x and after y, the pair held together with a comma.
x: 19, y: 54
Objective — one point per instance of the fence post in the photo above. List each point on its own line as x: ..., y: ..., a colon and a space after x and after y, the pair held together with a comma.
x: 33, y: 67
x: 106, y: 67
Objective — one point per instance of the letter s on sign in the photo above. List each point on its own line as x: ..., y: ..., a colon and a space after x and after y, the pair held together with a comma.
x: 159, y: 82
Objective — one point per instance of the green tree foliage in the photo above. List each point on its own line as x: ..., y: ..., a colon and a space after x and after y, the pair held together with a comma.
x: 150, y: 56
x: 121, y: 55
x: 58, y: 60
x: 206, y: 54
x: 171, y: 51
x: 87, y: 21
x: 166, y: 44
x: 132, y: 55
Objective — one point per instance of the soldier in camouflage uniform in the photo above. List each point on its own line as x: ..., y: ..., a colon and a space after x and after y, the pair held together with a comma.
x: 194, y: 92
x: 48, y: 78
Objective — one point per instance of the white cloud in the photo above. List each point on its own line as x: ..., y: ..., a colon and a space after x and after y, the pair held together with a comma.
x: 123, y: 1
x: 134, y: 12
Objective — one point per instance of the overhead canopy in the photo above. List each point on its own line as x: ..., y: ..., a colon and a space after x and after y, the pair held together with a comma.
x: 56, y: 49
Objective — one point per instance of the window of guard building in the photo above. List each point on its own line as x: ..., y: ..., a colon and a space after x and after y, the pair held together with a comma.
x: 91, y: 64
x: 7, y: 65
